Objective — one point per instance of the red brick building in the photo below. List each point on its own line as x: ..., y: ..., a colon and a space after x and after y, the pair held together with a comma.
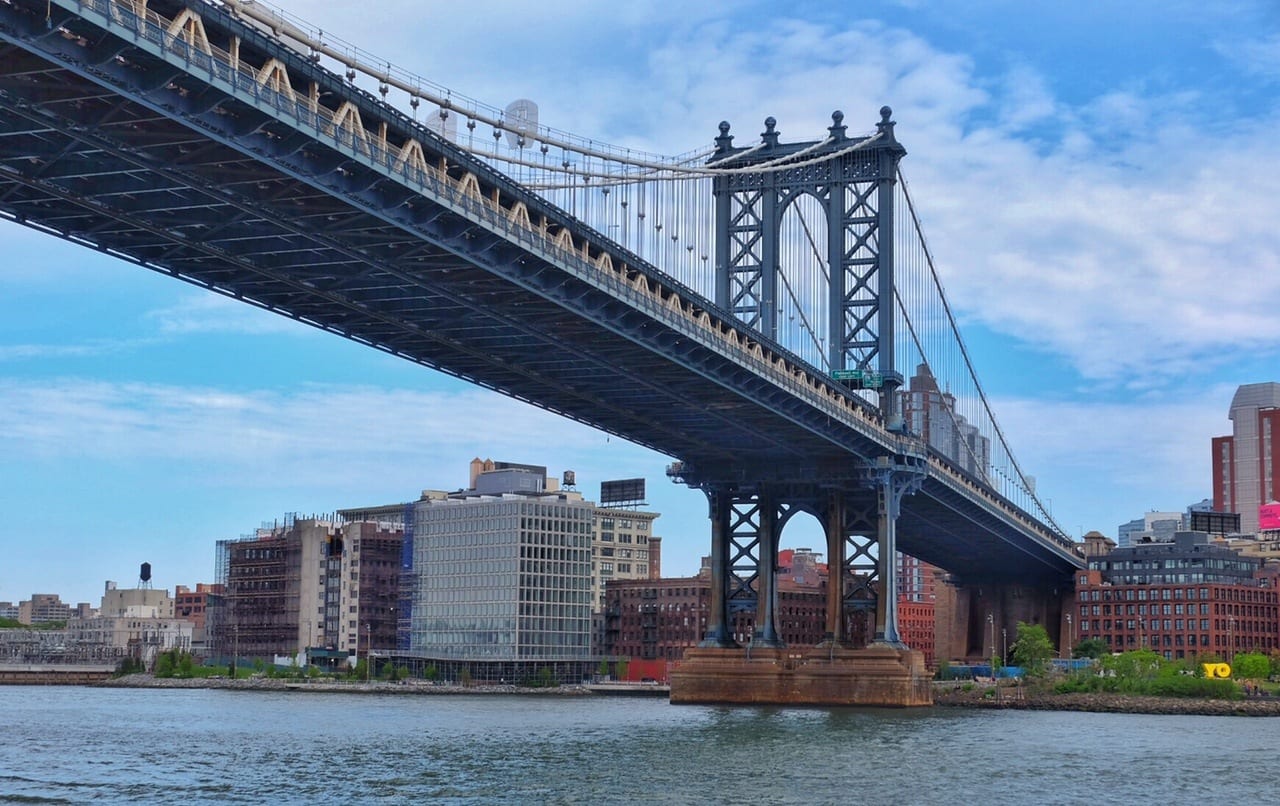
x: 1180, y: 599
x: 660, y: 619
x: 192, y: 605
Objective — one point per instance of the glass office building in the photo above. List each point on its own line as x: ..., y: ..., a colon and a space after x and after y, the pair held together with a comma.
x: 503, y: 577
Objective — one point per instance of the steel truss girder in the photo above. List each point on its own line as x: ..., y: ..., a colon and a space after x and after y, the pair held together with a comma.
x: 861, y: 561
x: 849, y: 187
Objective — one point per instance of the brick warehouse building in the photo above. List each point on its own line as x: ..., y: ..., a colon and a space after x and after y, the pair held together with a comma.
x: 1185, y: 598
x: 660, y: 619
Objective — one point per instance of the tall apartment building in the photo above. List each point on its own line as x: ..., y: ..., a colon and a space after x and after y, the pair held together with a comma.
x: 1246, y: 464
x: 308, y: 583
x: 1184, y: 598
x: 917, y: 580
x: 931, y: 412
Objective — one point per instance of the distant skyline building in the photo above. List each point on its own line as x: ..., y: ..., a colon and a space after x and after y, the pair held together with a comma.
x: 43, y: 608
x: 491, y: 575
x: 1246, y: 464
x: 1152, y: 527
x: 931, y: 412
x: 131, y: 622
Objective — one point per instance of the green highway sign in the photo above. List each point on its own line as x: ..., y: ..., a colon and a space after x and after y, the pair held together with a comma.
x: 859, y: 378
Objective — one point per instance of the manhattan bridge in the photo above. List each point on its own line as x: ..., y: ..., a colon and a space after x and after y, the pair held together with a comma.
x: 766, y: 313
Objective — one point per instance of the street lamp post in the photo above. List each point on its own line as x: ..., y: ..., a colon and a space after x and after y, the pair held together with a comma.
x: 368, y: 651
x: 1231, y: 641
x: 1004, y: 644
x: 991, y: 621
x: 1071, y: 636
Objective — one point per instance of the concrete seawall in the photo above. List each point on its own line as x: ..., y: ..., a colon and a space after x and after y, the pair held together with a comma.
x: 46, y: 674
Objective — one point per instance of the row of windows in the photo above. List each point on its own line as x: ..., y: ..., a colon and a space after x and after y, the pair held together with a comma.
x: 608, y: 525
x: 1141, y: 610
x: 1219, y: 609
x: 1222, y: 563
x: 609, y: 551
x: 1218, y: 642
x: 1232, y: 593
x: 1243, y: 626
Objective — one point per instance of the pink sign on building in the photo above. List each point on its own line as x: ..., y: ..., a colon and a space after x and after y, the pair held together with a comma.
x: 1269, y: 516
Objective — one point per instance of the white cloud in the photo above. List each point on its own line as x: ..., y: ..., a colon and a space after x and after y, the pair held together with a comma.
x: 1105, y: 463
x: 89, y: 349
x: 1259, y: 56
x: 203, y: 312
x: 328, y: 437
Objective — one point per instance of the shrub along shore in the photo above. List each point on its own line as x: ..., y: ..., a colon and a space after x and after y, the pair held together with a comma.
x: 1039, y: 697
x: 1139, y: 681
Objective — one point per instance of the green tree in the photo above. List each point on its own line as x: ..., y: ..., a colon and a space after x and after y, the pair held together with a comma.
x: 164, y: 665
x: 1033, y: 649
x: 1136, y: 664
x: 1251, y: 666
x: 1094, y: 648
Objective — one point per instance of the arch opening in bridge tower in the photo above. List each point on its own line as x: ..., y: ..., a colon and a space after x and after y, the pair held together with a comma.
x: 802, y: 306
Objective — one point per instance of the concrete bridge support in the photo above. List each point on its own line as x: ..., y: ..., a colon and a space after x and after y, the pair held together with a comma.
x: 887, y: 673
x: 978, y: 620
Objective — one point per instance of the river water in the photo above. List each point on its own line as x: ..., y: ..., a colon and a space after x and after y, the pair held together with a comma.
x: 73, y: 745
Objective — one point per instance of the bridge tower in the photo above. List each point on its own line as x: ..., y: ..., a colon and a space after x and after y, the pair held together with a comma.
x: 851, y: 181
x: 848, y: 185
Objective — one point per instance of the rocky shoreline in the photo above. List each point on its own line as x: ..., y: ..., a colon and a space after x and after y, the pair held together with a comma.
x: 945, y: 696
x: 1011, y: 697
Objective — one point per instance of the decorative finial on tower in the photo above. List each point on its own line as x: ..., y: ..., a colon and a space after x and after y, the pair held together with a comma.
x: 770, y: 133
x: 885, y: 126
x: 725, y: 141
x: 837, y: 127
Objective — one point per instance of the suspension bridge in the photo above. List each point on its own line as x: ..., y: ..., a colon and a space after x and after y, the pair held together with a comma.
x: 768, y: 314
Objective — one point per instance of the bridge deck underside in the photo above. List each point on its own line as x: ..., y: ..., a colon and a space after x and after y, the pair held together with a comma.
x: 311, y: 236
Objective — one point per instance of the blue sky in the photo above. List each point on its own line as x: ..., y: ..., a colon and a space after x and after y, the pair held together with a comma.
x: 1099, y: 185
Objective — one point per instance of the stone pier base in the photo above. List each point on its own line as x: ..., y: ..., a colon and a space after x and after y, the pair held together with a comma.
x: 823, y: 675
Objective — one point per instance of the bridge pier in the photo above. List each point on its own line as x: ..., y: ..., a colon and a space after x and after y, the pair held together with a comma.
x: 886, y: 673
x: 718, y: 634
x: 978, y: 620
